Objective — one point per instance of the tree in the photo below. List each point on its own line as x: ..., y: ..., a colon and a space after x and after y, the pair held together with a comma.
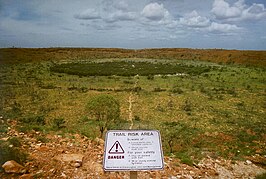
x: 178, y: 133
x: 105, y: 109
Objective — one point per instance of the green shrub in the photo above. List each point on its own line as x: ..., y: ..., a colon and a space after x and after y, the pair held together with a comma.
x: 160, y: 108
x: 150, y: 77
x: 185, y: 158
x: 15, y: 111
x: 58, y: 123
x: 42, y: 139
x: 27, y: 128
x: 164, y: 76
x: 83, y: 119
x: 105, y: 109
x: 187, y: 106
x: 177, y: 90
x: 32, y: 122
x: 34, y: 119
x: 3, y: 128
x: 176, y: 134
x: 7, y: 152
x: 137, y: 118
x: 137, y: 89
x: 232, y: 92
x: 158, y: 89
x: 89, y: 131
x: 15, y: 141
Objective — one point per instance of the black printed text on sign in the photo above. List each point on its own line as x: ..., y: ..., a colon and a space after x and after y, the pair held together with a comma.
x: 133, y: 150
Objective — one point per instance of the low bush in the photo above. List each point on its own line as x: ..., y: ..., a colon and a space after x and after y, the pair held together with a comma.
x: 185, y: 158
x: 187, y: 106
x: 58, y: 123
x: 32, y: 122
x: 14, y: 141
x: 178, y: 135
x: 105, y: 110
x: 3, y: 128
x: 158, y: 89
x: 150, y: 77
x: 177, y: 91
x: 33, y: 119
x: 8, y: 151
x: 42, y: 139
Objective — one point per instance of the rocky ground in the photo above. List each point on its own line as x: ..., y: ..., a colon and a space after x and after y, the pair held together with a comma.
x: 75, y: 156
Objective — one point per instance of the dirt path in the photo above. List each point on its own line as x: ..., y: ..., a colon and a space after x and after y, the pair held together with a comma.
x: 131, y: 101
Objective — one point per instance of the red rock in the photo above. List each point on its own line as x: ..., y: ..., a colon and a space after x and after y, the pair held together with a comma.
x: 26, y: 176
x: 13, y: 167
x: 43, y: 148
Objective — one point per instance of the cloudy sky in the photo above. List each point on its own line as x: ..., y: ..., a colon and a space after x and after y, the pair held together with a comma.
x: 229, y: 24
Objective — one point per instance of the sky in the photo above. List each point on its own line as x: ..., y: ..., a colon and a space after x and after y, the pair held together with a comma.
x: 134, y: 24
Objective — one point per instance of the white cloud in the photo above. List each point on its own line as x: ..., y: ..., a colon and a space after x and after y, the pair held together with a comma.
x: 120, y: 16
x: 88, y: 14
x: 256, y: 11
x: 222, y: 10
x: 238, y: 11
x: 155, y: 15
x: 111, y: 12
x: 121, y: 5
x: 154, y: 12
x: 104, y: 27
x: 202, y: 24
x: 223, y: 28
x: 193, y: 19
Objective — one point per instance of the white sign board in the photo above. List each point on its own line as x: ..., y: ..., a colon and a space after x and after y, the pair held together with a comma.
x: 133, y: 150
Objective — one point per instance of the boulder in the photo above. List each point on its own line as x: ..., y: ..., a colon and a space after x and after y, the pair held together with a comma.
x: 26, y: 176
x: 13, y: 167
x: 77, y: 164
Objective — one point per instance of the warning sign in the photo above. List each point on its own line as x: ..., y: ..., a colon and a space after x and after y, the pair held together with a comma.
x: 133, y: 150
x: 116, y: 149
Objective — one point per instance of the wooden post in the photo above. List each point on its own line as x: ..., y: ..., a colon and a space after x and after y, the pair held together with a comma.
x: 133, y: 175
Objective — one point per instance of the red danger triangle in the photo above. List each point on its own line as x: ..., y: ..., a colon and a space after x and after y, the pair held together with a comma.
x: 116, y: 149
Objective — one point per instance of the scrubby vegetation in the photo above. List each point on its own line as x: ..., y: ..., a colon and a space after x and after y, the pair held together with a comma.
x: 105, y: 110
x: 9, y: 150
x: 128, y: 68
x: 201, y: 108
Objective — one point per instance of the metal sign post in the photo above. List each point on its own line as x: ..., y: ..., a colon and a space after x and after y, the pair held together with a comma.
x: 133, y: 150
